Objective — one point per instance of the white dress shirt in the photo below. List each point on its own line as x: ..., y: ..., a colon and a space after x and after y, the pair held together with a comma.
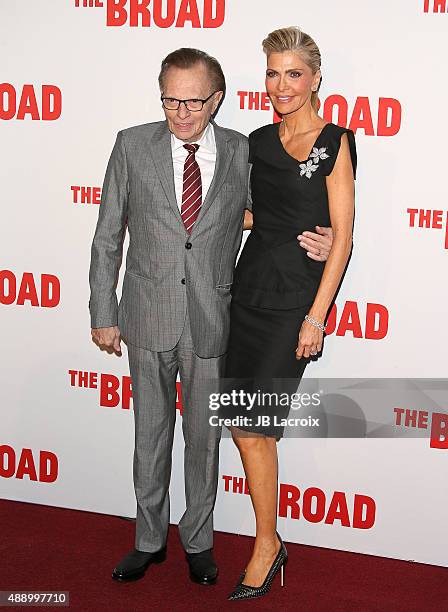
x: 205, y: 156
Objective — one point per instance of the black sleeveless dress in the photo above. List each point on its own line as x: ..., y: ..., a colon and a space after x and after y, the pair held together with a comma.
x: 275, y: 282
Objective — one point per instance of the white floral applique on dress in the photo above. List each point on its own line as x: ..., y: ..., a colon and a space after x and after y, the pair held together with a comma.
x: 312, y: 164
x: 318, y: 154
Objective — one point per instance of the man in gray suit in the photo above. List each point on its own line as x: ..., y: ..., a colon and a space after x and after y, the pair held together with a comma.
x: 180, y: 186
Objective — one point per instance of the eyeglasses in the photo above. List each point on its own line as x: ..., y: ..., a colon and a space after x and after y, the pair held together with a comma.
x: 193, y: 105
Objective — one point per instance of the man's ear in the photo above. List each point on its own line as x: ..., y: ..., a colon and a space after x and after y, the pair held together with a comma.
x: 217, y: 100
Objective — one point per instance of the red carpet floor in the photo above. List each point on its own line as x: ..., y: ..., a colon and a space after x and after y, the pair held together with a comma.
x: 44, y: 548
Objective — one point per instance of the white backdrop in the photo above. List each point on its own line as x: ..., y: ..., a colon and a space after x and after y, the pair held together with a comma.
x: 58, y: 444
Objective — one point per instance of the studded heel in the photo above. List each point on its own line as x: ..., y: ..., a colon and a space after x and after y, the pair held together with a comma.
x: 245, y: 591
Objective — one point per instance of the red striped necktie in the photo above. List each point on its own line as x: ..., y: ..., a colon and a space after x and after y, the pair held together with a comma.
x: 192, y: 188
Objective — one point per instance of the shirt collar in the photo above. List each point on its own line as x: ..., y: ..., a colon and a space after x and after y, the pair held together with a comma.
x: 206, y: 141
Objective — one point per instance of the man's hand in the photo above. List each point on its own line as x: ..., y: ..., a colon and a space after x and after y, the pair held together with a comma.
x: 318, y: 245
x: 107, y: 338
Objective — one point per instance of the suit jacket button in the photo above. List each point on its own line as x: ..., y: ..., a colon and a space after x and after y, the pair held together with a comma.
x: 183, y: 281
x: 188, y: 245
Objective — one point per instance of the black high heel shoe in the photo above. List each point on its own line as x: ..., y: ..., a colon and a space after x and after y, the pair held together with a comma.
x: 245, y: 591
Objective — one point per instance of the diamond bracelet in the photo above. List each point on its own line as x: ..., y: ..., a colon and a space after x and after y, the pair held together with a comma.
x: 321, y: 326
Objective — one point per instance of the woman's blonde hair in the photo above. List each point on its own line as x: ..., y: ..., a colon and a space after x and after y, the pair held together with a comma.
x: 293, y: 39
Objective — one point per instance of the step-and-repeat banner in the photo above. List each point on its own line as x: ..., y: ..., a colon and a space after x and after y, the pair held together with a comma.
x: 73, y: 73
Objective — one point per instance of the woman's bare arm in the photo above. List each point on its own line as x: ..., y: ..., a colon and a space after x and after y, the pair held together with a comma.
x: 341, y: 199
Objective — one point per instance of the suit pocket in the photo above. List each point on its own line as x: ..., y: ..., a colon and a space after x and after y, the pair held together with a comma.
x: 139, y: 276
x: 224, y: 292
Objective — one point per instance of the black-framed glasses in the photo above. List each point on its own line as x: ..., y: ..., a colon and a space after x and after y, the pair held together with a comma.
x: 193, y: 105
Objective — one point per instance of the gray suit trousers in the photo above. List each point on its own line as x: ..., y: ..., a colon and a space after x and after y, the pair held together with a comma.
x: 154, y: 376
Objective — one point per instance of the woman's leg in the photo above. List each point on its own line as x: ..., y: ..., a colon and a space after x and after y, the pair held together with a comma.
x: 259, y: 457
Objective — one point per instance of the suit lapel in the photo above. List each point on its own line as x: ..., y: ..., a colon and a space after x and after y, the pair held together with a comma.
x: 163, y: 159
x: 225, y: 150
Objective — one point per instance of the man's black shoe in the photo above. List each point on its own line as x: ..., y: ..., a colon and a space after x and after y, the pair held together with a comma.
x: 203, y: 568
x: 135, y: 564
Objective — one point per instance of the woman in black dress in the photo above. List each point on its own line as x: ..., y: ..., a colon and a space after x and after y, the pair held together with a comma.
x: 302, y: 175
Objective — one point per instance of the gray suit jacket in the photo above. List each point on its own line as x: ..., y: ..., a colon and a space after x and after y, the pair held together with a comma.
x: 164, y: 277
